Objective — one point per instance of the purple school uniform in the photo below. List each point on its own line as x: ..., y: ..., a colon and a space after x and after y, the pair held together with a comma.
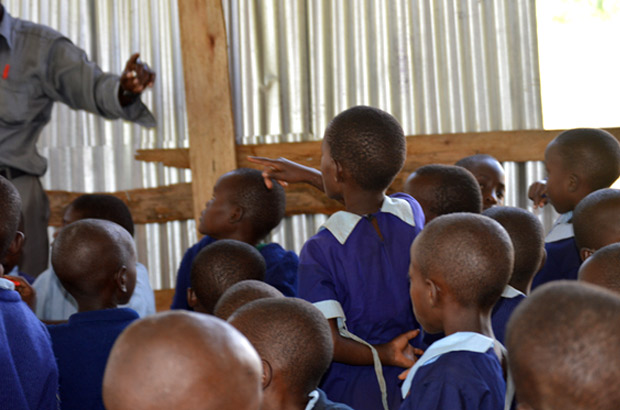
x: 503, y: 310
x: 367, y: 275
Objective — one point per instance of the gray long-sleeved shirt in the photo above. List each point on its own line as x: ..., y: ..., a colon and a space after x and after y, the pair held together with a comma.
x: 39, y: 66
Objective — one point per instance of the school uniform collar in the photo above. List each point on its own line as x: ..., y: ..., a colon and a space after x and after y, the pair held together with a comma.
x: 314, y: 397
x: 561, y: 229
x: 342, y: 223
x: 6, y: 284
x: 456, y: 342
x: 510, y: 292
x: 6, y: 28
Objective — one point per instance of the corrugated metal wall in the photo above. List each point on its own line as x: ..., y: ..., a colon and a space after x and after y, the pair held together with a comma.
x: 440, y: 66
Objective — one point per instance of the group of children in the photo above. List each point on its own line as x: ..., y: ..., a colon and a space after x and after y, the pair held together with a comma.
x: 399, y: 302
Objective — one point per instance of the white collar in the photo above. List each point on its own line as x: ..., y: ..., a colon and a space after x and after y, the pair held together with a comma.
x: 561, y: 229
x: 342, y: 223
x: 6, y: 284
x: 314, y: 397
x: 456, y: 342
x: 510, y: 292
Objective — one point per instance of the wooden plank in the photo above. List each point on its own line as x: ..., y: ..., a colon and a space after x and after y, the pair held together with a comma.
x: 163, y: 299
x: 170, y: 157
x: 207, y: 95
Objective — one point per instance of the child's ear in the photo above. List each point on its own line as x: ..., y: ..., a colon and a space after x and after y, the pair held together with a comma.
x: 543, y: 260
x: 340, y: 172
x: 121, y: 279
x: 236, y: 214
x: 434, y: 292
x: 585, y: 253
x: 267, y: 373
x: 573, y: 183
x: 192, y: 299
x: 16, y: 244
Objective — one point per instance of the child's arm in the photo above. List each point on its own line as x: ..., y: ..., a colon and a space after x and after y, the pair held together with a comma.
x: 285, y: 172
x: 538, y: 193
x: 27, y: 292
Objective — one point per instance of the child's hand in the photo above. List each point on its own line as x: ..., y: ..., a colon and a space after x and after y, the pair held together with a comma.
x: 285, y: 172
x: 538, y: 193
x: 27, y: 292
x: 398, y: 351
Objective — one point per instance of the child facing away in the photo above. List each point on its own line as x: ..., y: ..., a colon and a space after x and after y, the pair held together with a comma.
x: 578, y: 162
x: 490, y: 176
x: 29, y: 371
x: 242, y: 208
x: 603, y: 268
x: 460, y: 264
x: 563, y: 348
x: 355, y: 268
x: 219, y: 266
x: 242, y: 293
x: 528, y: 241
x: 95, y: 261
x: 278, y: 328
x: 193, y: 361
x: 596, y: 221
x: 55, y: 303
x: 444, y: 189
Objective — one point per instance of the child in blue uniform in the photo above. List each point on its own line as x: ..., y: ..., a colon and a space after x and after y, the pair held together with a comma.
x: 596, y: 221
x: 444, y: 189
x: 242, y: 208
x: 563, y: 348
x: 578, y: 162
x: 243, y: 293
x: 219, y: 266
x: 460, y: 264
x: 603, y: 268
x: 278, y: 328
x: 490, y: 176
x: 528, y: 241
x: 95, y: 261
x: 355, y: 269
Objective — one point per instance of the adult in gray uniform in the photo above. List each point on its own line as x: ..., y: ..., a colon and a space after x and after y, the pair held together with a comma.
x: 39, y: 66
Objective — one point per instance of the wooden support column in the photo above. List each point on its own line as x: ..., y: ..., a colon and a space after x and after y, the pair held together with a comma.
x: 207, y: 95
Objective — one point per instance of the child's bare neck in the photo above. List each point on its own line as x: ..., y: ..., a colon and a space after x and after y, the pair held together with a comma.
x: 242, y: 237
x: 462, y: 319
x: 362, y: 202
x: 89, y: 304
x: 284, y: 400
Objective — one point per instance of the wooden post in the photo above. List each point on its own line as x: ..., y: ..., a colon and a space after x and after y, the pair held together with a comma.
x: 207, y: 95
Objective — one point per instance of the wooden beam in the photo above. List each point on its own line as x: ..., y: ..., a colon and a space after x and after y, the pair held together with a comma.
x: 207, y: 95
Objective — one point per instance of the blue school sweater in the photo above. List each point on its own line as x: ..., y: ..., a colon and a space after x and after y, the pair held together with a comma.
x: 29, y: 373
x: 503, y: 310
x: 281, y: 270
x: 82, y: 346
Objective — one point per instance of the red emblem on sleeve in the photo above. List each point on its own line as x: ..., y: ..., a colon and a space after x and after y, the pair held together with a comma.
x: 5, y: 73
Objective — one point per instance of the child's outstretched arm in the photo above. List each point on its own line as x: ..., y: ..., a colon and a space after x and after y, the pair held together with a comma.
x: 285, y: 172
x: 538, y: 193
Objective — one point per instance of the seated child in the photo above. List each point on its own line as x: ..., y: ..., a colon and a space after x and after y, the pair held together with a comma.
x: 444, y: 189
x: 603, y: 268
x: 355, y: 269
x: 596, y: 221
x: 295, y: 345
x: 460, y: 264
x: 242, y: 208
x: 578, y: 162
x: 29, y: 371
x: 528, y: 241
x: 193, y: 361
x: 490, y: 176
x: 241, y: 294
x: 54, y: 303
x: 219, y: 266
x: 95, y: 261
x: 563, y: 348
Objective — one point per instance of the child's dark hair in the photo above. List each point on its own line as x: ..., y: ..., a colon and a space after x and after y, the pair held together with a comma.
x: 10, y: 210
x: 603, y: 268
x: 528, y: 241
x: 589, y: 220
x: 263, y: 207
x: 242, y: 293
x: 369, y: 143
x: 292, y: 333
x: 101, y: 206
x: 456, y: 189
x: 472, y: 253
x: 473, y: 160
x: 222, y: 264
x: 594, y: 152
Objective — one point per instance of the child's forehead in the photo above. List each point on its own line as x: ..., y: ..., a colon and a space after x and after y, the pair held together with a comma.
x: 487, y: 167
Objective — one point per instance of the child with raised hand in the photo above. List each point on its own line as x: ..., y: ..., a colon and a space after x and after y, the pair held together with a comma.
x: 278, y: 328
x: 355, y: 269
x: 603, y: 268
x: 596, y: 221
x: 242, y: 208
x: 95, y: 261
x: 528, y: 241
x: 218, y: 267
x: 578, y: 162
x: 490, y: 176
x: 444, y: 189
x: 460, y: 264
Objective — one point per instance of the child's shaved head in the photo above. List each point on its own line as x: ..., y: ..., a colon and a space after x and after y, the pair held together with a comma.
x: 562, y: 346
x: 490, y: 176
x: 93, y: 257
x: 182, y: 360
x: 444, y: 189
x: 603, y: 268
x: 10, y: 211
x: 528, y: 241
x: 241, y: 294
x: 292, y: 336
x: 596, y: 221
x: 470, y: 254
x: 219, y: 266
x: 369, y: 143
